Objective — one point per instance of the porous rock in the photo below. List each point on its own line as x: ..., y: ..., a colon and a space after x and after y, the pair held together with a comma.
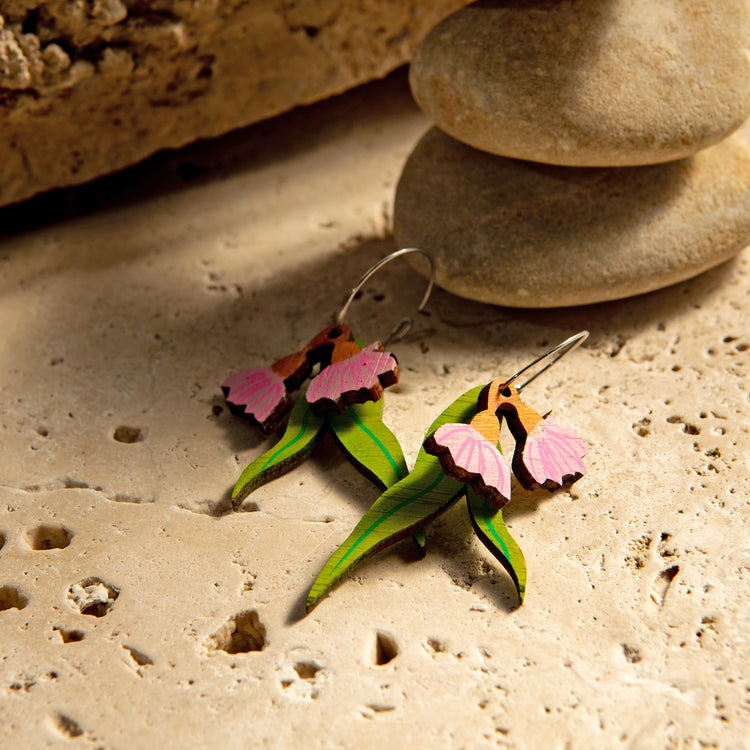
x: 588, y: 82
x: 523, y: 234
x: 634, y: 630
x: 89, y: 87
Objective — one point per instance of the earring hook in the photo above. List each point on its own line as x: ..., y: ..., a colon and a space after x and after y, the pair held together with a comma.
x: 407, y: 323
x: 547, y: 359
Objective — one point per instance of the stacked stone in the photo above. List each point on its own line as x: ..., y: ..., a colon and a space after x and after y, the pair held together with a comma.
x: 606, y: 166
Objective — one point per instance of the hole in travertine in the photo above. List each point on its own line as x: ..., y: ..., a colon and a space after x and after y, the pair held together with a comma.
x: 386, y: 649
x: 642, y: 427
x: 2, y: 539
x: 67, y: 726
x: 69, y: 636
x: 379, y: 708
x: 22, y: 687
x: 660, y: 587
x: 436, y: 645
x: 139, y: 657
x: 306, y: 670
x: 125, y: 434
x: 12, y: 598
x: 93, y: 597
x: 688, y: 428
x: 241, y: 634
x: 631, y: 653
x: 48, y: 536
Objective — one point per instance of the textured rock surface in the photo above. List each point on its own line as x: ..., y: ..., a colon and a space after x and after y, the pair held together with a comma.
x: 588, y: 82
x: 634, y: 630
x: 517, y: 233
x: 89, y: 87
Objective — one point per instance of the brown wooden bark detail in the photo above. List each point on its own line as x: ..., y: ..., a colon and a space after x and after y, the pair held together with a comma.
x: 521, y: 421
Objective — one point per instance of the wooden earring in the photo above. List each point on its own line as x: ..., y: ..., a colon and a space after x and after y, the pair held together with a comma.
x: 468, y: 452
x: 461, y: 457
x: 350, y: 374
x: 547, y: 454
x: 345, y: 397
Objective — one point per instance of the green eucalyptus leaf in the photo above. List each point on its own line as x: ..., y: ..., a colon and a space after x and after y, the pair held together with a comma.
x: 303, y: 432
x: 420, y: 540
x: 491, y: 529
x: 402, y: 509
x: 368, y: 443
x: 372, y: 448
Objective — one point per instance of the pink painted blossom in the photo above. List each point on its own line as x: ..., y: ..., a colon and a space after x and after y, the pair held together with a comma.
x: 258, y: 392
x: 553, y: 453
x: 354, y: 380
x: 468, y: 456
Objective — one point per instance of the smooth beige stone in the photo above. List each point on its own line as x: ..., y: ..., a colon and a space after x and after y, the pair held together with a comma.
x: 522, y: 234
x: 87, y: 88
x: 634, y: 629
x: 589, y: 83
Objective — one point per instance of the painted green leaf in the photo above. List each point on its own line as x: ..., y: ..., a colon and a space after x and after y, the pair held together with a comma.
x: 420, y: 540
x: 373, y: 449
x: 491, y: 529
x: 403, y: 508
x: 303, y: 432
x: 369, y: 444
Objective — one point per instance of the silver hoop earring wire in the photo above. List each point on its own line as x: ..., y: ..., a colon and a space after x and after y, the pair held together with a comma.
x: 406, y: 324
x: 546, y: 360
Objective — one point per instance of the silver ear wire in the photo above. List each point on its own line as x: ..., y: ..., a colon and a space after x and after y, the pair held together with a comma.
x: 406, y: 324
x: 549, y: 358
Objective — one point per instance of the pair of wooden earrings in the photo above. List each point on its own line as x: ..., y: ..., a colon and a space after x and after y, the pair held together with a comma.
x: 460, y: 456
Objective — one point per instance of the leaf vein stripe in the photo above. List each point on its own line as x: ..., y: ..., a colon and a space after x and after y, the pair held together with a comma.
x: 385, y: 516
x: 491, y: 527
x: 297, y: 437
x: 377, y: 441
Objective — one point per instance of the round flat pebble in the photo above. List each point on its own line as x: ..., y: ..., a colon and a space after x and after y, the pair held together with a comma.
x: 522, y: 234
x: 588, y: 83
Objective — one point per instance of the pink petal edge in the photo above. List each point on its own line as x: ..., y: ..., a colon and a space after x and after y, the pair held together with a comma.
x: 362, y: 371
x: 259, y: 389
x: 553, y: 452
x: 475, y: 455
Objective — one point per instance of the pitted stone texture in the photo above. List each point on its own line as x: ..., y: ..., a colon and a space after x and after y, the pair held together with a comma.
x: 532, y: 235
x: 633, y: 633
x: 90, y: 87
x: 588, y: 82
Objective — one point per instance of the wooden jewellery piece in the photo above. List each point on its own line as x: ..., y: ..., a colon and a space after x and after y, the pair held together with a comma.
x: 460, y: 458
x: 468, y: 452
x: 546, y: 454
x: 349, y: 373
x: 263, y: 393
x: 344, y: 398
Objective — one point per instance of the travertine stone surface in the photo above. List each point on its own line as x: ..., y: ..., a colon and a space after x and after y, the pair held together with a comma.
x: 589, y: 83
x: 89, y: 87
x: 137, y: 611
x: 517, y: 233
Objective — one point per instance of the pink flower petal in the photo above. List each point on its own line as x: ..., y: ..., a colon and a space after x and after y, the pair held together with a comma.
x: 258, y: 391
x: 349, y: 382
x: 553, y: 452
x: 472, y: 458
